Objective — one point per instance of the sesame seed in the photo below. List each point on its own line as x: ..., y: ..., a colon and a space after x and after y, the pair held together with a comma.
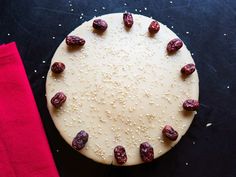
x: 59, y: 24
x: 186, y: 163
x: 95, y: 10
x: 70, y: 5
x: 227, y: 87
x: 172, y: 27
x: 53, y: 37
x: 145, y: 8
x: 43, y: 77
x: 72, y: 10
x: 8, y: 34
x: 208, y: 124
x: 103, y: 8
x: 187, y: 32
x: 35, y: 71
x: 43, y: 61
x: 81, y: 14
x: 140, y: 10
x: 225, y: 34
x: 125, y: 4
x: 136, y: 10
x: 192, y: 54
x: 171, y: 2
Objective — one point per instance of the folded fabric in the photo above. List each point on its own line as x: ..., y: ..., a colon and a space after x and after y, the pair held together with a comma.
x: 24, y: 149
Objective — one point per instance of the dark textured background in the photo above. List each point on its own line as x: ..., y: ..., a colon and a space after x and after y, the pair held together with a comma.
x: 206, y: 26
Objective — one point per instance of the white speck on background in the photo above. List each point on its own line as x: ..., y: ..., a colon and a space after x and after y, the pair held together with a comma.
x: 95, y: 10
x: 70, y: 5
x: 125, y: 4
x: 186, y: 163
x: 227, y: 87
x: 35, y: 71
x: 81, y: 14
x: 172, y: 27
x: 192, y: 54
x: 194, y: 142
x: 80, y: 17
x: 171, y: 2
x: 8, y: 34
x: 151, y: 17
x: 208, y: 124
x: 43, y: 61
x: 140, y: 10
x: 53, y: 37
x: 72, y: 10
x: 103, y: 8
x: 187, y: 32
x: 57, y: 150
x: 225, y: 34
x: 145, y: 8
x: 59, y: 24
x: 69, y: 1
x: 136, y: 10
x: 43, y: 77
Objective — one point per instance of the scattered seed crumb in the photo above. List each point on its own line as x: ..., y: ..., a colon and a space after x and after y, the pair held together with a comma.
x: 140, y: 10
x: 35, y: 71
x: 95, y: 10
x: 145, y: 8
x: 59, y: 24
x: 53, y: 37
x: 228, y: 87
x: 103, y: 8
x: 192, y: 54
x: 72, y: 10
x: 186, y: 163
x: 82, y: 14
x: 172, y: 27
x: 43, y: 77
x: 187, y: 32
x: 225, y: 34
x: 171, y: 2
x: 70, y: 5
x: 57, y: 150
x: 136, y: 10
x: 194, y: 142
x: 43, y: 61
x: 80, y: 17
x: 125, y: 4
x: 69, y: 1
x: 8, y: 34
x: 208, y: 124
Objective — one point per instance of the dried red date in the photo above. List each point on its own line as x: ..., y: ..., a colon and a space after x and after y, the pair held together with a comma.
x: 58, y: 67
x: 188, y: 69
x: 80, y: 140
x: 120, y: 154
x: 146, y: 152
x: 191, y: 105
x: 154, y: 27
x: 174, y: 45
x: 58, y: 99
x: 128, y: 19
x: 100, y: 24
x: 75, y: 41
x: 170, y: 133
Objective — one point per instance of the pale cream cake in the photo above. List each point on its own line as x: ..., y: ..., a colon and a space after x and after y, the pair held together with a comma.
x: 122, y: 87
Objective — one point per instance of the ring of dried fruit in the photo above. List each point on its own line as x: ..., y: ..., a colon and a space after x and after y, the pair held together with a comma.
x: 132, y: 90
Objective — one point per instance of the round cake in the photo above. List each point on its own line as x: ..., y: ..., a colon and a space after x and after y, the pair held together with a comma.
x: 122, y: 89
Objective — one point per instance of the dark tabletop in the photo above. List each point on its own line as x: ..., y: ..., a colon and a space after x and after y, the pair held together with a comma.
x: 208, y: 28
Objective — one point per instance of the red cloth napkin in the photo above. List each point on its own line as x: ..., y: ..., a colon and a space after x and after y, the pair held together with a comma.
x: 24, y: 150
